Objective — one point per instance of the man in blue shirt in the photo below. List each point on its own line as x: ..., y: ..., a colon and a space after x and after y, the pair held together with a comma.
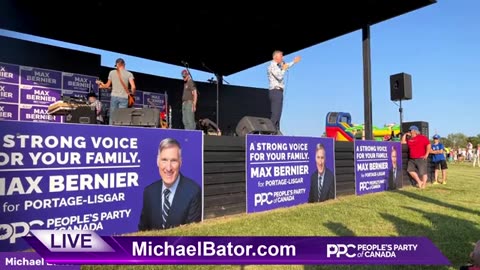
x: 438, y: 151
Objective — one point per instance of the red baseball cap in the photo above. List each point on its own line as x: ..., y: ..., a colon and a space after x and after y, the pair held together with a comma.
x: 184, y: 73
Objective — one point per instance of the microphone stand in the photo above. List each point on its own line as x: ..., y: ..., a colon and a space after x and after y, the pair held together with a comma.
x: 218, y: 91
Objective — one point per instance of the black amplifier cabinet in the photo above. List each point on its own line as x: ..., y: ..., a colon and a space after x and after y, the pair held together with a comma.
x: 145, y: 117
x: 82, y: 115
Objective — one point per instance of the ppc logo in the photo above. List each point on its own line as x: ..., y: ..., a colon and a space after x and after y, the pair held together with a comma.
x: 263, y: 198
x: 339, y: 250
x: 16, y: 230
x: 363, y: 186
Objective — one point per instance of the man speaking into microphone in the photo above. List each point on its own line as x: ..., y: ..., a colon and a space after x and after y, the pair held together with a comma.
x: 276, y: 73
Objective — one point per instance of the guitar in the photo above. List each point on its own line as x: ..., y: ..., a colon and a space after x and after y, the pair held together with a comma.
x: 131, y: 97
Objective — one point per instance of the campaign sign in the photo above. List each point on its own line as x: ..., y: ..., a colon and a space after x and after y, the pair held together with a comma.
x: 75, y: 94
x: 39, y: 95
x: 104, y: 95
x: 40, y: 77
x: 99, y: 178
x: 79, y: 82
x: 138, y: 99
x: 154, y: 100
x: 9, y: 73
x: 8, y: 111
x: 9, y: 92
x: 284, y: 171
x: 37, y: 114
x: 378, y: 166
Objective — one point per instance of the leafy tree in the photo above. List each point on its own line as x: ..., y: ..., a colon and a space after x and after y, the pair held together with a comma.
x: 447, y: 142
x: 474, y: 140
x: 457, y: 139
x: 460, y: 140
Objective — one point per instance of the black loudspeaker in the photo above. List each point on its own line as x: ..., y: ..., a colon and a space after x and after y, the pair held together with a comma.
x: 423, y: 126
x: 255, y: 125
x: 400, y: 87
x: 82, y: 115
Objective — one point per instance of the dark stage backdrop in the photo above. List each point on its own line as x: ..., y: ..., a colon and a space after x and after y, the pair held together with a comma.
x: 235, y: 101
x: 27, y: 53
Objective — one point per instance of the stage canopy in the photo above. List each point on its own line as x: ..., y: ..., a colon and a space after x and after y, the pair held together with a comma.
x: 226, y: 38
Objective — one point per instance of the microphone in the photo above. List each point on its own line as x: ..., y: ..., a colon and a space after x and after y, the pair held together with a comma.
x: 184, y: 63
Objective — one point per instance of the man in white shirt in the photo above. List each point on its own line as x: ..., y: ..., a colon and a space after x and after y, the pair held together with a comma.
x: 276, y: 74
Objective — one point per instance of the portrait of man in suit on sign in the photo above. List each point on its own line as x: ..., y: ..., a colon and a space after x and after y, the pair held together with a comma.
x: 322, y: 181
x: 395, y: 174
x: 173, y: 200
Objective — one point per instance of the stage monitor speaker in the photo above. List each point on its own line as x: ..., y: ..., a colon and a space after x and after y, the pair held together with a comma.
x: 400, y: 87
x: 82, y: 115
x: 423, y: 126
x: 138, y: 117
x: 255, y: 125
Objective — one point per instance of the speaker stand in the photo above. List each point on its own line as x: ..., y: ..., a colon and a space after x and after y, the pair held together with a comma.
x: 400, y: 110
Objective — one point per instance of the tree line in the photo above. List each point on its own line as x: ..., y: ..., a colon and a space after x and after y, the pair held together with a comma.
x: 460, y: 140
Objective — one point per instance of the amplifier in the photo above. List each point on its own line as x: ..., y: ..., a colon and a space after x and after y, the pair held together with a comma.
x: 145, y: 117
x: 82, y: 115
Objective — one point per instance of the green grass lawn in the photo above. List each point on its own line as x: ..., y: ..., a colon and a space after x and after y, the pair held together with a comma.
x: 447, y: 214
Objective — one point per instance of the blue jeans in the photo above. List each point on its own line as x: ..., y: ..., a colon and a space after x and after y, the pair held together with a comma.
x: 116, y: 103
x: 188, y: 116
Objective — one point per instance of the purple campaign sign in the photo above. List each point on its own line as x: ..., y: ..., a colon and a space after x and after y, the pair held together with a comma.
x: 138, y: 99
x: 41, y: 77
x: 36, y: 95
x: 73, y: 176
x: 9, y: 73
x: 77, y: 82
x: 284, y: 171
x: 9, y: 92
x: 74, y: 94
x: 378, y: 166
x: 37, y: 114
x: 104, y: 95
x: 237, y: 250
x: 8, y: 111
x: 29, y: 260
x: 154, y: 100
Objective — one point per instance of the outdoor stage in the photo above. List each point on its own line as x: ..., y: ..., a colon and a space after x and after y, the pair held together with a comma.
x: 58, y: 175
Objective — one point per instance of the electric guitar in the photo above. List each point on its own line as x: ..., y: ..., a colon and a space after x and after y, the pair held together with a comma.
x: 131, y: 97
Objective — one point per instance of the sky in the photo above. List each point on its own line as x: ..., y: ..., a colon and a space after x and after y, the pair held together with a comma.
x: 437, y: 45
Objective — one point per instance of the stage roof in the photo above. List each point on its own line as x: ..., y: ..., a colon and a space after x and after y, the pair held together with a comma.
x: 226, y: 38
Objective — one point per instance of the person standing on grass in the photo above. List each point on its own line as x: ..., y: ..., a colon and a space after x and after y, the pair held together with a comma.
x: 476, y: 156
x: 419, y: 148
x: 438, y: 158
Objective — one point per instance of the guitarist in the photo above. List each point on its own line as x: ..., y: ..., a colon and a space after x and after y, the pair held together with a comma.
x: 119, y: 79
